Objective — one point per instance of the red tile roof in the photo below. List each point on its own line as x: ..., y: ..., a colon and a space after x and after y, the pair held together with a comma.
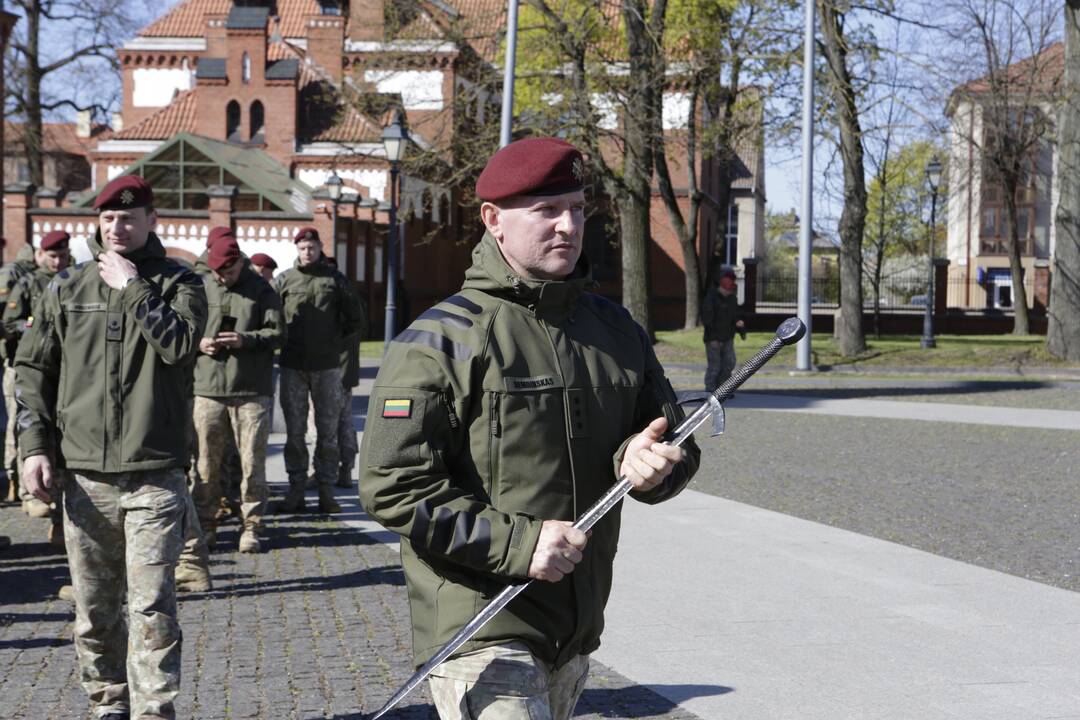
x: 352, y: 127
x: 188, y: 18
x: 178, y: 116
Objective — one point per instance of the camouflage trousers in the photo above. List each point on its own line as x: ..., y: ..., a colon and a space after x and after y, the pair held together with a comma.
x: 507, y: 682
x: 720, y: 355
x: 324, y: 389
x: 123, y: 533
x: 219, y: 422
x: 11, y: 446
x: 346, y: 437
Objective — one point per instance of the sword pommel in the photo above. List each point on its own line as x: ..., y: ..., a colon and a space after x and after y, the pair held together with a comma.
x: 791, y: 331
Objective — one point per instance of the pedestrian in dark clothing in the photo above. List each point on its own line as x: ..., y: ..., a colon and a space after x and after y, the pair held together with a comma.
x: 722, y: 318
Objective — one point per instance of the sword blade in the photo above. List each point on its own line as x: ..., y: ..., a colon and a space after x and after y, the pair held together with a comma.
x: 789, y: 332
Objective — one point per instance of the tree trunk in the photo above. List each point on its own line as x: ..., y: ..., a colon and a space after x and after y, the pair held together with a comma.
x: 32, y: 130
x: 1021, y: 326
x: 637, y: 167
x: 1063, y: 332
x: 849, y: 326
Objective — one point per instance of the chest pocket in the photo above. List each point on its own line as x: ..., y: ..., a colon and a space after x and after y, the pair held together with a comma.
x: 294, y: 301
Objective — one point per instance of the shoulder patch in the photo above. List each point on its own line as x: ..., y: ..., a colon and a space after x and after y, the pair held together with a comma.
x: 397, y: 408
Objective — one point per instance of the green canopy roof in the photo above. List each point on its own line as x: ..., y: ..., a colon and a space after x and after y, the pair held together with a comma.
x: 183, y: 169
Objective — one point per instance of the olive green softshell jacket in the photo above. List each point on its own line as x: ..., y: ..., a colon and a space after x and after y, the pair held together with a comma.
x: 248, y: 370
x: 508, y: 404
x: 104, y: 371
x: 321, y: 311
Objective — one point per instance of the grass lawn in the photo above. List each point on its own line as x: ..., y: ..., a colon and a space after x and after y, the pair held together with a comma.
x: 974, y: 351
x: 966, y: 351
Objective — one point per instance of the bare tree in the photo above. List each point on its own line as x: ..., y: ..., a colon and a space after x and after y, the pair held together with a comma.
x: 1009, y: 47
x: 849, y: 333
x: 69, y: 41
x: 720, y: 49
x: 1063, y: 333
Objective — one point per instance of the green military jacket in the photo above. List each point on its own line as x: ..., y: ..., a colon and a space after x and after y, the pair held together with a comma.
x: 257, y: 311
x: 22, y: 267
x: 321, y: 310
x: 505, y: 405
x: 21, y: 300
x: 100, y: 375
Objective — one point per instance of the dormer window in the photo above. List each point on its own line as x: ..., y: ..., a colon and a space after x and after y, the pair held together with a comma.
x: 245, y: 73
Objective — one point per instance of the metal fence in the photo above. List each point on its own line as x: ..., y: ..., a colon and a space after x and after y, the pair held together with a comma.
x: 904, y: 291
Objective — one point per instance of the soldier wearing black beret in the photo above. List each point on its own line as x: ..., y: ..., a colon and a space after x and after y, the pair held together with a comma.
x: 497, y: 417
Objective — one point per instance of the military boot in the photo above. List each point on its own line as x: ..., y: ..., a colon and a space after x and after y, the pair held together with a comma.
x: 249, y: 541
x: 35, y: 508
x: 294, y: 501
x: 56, y: 534
x: 344, y: 479
x: 328, y: 504
x: 192, y: 576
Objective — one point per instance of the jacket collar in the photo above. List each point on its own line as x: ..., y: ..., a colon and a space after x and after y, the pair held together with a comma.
x: 152, y: 249
x: 490, y: 273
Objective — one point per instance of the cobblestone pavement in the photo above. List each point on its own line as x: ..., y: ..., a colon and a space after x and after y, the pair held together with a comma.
x: 316, y: 627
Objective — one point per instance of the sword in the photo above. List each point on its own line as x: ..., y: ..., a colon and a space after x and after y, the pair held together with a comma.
x: 789, y: 332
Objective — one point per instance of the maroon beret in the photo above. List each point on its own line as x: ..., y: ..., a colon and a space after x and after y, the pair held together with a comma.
x: 263, y: 260
x: 55, y: 240
x: 533, y: 166
x: 223, y: 252
x: 306, y: 233
x: 216, y: 232
x: 124, y: 193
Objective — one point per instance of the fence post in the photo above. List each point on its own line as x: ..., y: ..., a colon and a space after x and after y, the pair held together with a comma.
x: 750, y: 285
x: 941, y: 286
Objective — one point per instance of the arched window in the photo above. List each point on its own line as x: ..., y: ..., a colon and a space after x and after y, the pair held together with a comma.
x: 256, y: 118
x: 245, y: 69
x: 232, y: 122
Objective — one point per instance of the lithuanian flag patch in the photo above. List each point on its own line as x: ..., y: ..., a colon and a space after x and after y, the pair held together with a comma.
x: 397, y: 408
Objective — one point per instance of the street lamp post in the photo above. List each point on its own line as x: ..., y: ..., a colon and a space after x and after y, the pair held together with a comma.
x: 394, y: 137
x: 933, y: 179
x: 333, y: 188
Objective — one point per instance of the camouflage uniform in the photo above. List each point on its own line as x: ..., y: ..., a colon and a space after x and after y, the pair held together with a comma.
x: 507, y: 682
x: 327, y: 396
x: 219, y: 422
x: 23, y: 266
x: 18, y: 311
x: 143, y: 513
x: 321, y: 311
x: 123, y: 437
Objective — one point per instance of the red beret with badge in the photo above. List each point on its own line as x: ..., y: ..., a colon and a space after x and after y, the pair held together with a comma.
x: 125, y: 193
x: 306, y: 233
x: 263, y: 260
x: 534, y: 166
x: 56, y: 240
x: 223, y: 252
x: 217, y: 232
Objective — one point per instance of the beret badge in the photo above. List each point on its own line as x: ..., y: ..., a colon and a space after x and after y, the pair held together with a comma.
x: 577, y: 168
x: 127, y: 197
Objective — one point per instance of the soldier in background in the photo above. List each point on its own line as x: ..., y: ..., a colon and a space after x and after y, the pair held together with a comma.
x: 350, y: 378
x: 52, y: 256
x: 321, y: 310
x: 264, y: 265
x: 132, y: 319
x: 234, y: 386
x: 22, y: 266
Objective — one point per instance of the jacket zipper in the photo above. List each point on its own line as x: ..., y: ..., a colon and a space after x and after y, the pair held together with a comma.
x: 566, y: 420
x: 450, y: 414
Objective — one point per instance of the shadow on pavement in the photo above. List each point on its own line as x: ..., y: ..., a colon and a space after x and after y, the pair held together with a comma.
x: 29, y: 643
x: 386, y: 575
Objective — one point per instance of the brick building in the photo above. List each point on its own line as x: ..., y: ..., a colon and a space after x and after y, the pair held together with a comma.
x: 239, y: 112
